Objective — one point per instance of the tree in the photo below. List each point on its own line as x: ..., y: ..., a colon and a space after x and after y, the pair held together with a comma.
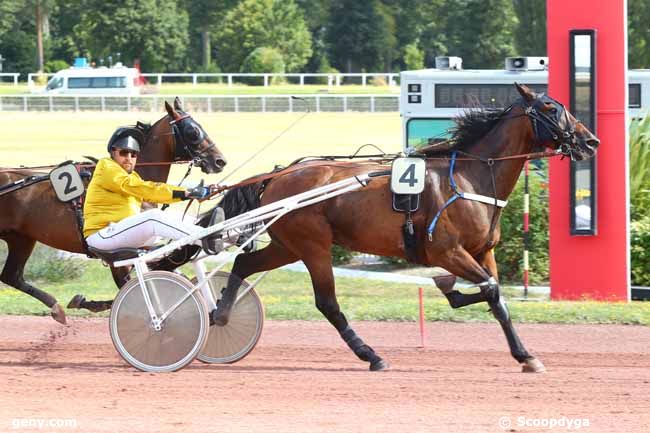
x: 9, y: 14
x: 480, y: 31
x: 530, y: 33
x: 153, y: 31
x: 277, y: 24
x: 638, y: 13
x: 360, y: 35
x: 204, y: 16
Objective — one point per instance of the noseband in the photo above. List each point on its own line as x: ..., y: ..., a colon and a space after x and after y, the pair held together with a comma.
x: 188, y: 136
x: 547, y: 127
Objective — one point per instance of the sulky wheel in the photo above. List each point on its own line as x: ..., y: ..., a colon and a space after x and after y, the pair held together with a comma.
x: 230, y: 343
x: 180, y: 336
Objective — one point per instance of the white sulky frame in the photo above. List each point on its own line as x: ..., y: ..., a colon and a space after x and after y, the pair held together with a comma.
x: 267, y: 214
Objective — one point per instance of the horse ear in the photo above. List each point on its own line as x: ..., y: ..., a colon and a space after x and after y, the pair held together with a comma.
x: 525, y: 92
x: 170, y: 110
x: 177, y: 104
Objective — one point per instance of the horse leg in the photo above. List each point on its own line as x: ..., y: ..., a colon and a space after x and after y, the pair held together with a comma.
x: 271, y: 257
x: 320, y: 270
x: 497, y: 303
x: 120, y: 276
x: 20, y: 248
x: 455, y: 298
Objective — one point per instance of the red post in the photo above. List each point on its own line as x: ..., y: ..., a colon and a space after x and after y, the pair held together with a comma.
x: 593, y: 267
x: 421, y: 296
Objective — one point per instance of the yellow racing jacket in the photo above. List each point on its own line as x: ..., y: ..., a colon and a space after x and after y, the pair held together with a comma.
x: 113, y: 194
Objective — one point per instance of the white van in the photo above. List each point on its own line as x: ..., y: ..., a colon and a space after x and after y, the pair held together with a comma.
x: 118, y: 80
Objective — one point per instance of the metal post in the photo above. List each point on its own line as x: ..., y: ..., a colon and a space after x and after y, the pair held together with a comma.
x: 193, y: 79
x: 103, y: 103
x: 266, y: 80
x: 209, y: 104
x: 24, y: 103
x: 76, y: 104
x: 49, y: 101
x: 372, y: 104
x: 290, y: 104
x: 128, y: 103
x: 317, y: 103
x: 159, y: 80
x: 229, y: 80
x: 236, y: 104
x: 263, y: 104
x: 345, y: 103
x: 302, y: 79
x: 363, y: 80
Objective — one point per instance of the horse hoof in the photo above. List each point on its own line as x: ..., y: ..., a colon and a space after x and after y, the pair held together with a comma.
x: 58, y: 314
x: 532, y: 365
x: 218, y: 319
x: 379, y: 365
x: 76, y: 301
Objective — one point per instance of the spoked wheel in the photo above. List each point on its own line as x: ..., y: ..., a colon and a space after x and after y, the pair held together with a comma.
x: 230, y: 343
x: 177, y: 340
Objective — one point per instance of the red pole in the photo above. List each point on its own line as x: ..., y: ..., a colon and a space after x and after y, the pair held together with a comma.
x: 421, y: 296
x: 526, y: 223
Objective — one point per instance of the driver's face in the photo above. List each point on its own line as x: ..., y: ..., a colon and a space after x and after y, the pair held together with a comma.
x: 125, y: 158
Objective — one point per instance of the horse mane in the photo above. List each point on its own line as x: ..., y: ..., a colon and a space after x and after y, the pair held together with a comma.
x: 473, y: 124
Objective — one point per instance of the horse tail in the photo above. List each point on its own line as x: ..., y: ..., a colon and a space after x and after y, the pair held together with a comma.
x: 241, y: 200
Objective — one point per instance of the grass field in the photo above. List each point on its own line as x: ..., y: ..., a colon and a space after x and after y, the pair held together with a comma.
x: 237, y: 89
x: 288, y: 295
x: 49, y: 138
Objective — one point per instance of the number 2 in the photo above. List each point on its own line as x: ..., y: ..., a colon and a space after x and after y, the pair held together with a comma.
x: 67, y: 190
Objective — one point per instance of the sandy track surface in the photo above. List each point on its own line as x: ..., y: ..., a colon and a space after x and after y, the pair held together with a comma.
x: 302, y: 378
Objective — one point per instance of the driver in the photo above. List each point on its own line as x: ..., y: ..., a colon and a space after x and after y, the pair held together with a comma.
x: 115, y: 194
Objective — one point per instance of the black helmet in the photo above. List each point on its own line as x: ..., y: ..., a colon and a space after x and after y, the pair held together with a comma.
x: 125, y: 138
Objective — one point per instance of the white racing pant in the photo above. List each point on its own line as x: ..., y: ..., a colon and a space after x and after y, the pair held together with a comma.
x: 142, y: 230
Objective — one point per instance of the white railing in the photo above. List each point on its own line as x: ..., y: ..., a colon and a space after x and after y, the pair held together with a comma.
x: 334, y: 79
x: 193, y: 103
x: 13, y: 75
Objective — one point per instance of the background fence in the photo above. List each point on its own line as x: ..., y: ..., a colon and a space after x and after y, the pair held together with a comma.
x: 365, y: 78
x: 209, y: 104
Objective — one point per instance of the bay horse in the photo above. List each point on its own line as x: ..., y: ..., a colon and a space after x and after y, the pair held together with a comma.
x: 463, y: 239
x: 34, y: 213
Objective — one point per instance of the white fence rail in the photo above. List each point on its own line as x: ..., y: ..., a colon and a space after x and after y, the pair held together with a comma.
x: 13, y: 75
x: 260, y: 79
x: 208, y: 104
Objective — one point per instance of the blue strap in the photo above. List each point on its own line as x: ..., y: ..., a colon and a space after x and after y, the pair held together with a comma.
x: 452, y: 199
x: 432, y: 226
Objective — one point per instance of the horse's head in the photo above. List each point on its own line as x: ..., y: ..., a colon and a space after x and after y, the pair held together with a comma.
x: 554, y: 127
x: 192, y: 142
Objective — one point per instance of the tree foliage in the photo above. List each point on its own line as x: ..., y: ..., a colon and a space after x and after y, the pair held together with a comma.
x: 638, y: 14
x: 156, y: 32
x: 311, y: 35
x: 480, y: 31
x: 278, y: 24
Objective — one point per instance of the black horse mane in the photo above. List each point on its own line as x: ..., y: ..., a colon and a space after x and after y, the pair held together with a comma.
x: 473, y: 124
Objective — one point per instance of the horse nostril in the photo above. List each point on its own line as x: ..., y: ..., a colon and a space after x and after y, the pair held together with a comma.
x: 594, y: 142
x: 221, y: 163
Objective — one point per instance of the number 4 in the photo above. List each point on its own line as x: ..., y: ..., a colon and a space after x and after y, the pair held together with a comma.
x: 409, y: 176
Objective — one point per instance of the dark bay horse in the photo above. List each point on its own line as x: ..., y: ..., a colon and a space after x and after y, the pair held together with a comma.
x: 363, y: 220
x: 34, y: 213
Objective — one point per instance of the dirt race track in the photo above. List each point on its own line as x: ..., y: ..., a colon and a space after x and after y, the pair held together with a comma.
x: 301, y: 378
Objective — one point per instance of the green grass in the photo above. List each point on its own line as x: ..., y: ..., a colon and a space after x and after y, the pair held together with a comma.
x: 288, y: 296
x: 174, y: 89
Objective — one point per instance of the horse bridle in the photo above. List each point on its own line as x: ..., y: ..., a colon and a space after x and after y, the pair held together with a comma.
x: 188, y: 136
x: 547, y: 127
